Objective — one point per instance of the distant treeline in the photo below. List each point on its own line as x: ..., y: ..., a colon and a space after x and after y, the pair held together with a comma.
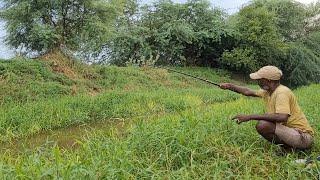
x: 283, y: 33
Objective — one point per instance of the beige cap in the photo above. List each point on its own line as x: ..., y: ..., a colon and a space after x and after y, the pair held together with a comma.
x: 267, y: 72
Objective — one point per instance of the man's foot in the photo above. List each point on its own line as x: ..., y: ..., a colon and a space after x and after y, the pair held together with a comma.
x: 304, y: 161
x: 308, y: 162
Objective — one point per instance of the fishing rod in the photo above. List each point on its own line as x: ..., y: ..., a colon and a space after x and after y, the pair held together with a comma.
x: 195, y: 77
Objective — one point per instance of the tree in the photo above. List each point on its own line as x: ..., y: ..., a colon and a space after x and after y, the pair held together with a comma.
x: 289, y: 17
x: 259, y: 41
x: 313, y: 20
x: 272, y: 32
x: 302, y: 65
x: 45, y: 25
x: 191, y: 33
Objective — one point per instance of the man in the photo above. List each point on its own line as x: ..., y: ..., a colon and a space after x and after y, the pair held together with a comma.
x: 284, y: 123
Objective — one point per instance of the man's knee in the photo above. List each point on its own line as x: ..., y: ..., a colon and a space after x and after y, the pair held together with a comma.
x: 265, y: 127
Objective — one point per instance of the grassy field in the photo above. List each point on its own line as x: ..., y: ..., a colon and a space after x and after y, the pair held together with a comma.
x: 71, y: 121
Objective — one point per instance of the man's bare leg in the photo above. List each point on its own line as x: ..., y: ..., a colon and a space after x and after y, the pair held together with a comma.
x: 267, y: 130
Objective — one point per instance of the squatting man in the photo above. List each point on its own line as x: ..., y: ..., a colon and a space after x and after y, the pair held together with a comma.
x: 284, y: 123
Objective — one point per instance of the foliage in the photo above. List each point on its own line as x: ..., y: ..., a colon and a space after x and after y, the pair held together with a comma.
x: 303, y: 61
x: 172, y: 133
x: 45, y: 25
x: 166, y: 126
x: 290, y: 17
x: 27, y: 80
x: 123, y: 33
x: 240, y: 58
x: 313, y: 20
x: 30, y: 89
x: 259, y: 42
x: 273, y: 33
x: 183, y: 34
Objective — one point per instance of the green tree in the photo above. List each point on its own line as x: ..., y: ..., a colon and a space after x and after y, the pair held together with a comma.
x: 302, y: 65
x: 44, y: 25
x: 259, y: 41
x: 313, y: 20
x: 289, y: 16
x: 272, y: 32
x: 181, y: 34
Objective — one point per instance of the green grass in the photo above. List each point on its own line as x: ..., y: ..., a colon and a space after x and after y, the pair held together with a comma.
x: 31, y: 117
x: 176, y: 128
x: 30, y: 80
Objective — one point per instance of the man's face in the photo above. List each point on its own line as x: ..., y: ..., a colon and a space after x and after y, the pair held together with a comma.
x: 264, y: 84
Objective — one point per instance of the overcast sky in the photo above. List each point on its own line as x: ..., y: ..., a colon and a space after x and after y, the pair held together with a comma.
x: 230, y: 6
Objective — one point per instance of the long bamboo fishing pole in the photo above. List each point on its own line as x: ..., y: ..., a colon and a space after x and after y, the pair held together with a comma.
x: 195, y: 77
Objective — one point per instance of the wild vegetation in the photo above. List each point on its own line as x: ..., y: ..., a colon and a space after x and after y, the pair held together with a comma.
x: 161, y: 125
x: 92, y: 102
x: 264, y: 32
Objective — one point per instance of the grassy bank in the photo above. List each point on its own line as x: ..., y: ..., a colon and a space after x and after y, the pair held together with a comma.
x: 174, y: 127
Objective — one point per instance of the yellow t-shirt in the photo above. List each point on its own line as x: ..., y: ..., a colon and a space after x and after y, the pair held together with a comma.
x: 282, y: 100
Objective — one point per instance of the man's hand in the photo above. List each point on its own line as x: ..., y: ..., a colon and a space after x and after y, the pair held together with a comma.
x: 225, y: 85
x: 241, y: 118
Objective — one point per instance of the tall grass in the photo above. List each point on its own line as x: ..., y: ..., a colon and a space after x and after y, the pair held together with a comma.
x: 177, y: 128
x: 32, y: 117
x: 199, y: 142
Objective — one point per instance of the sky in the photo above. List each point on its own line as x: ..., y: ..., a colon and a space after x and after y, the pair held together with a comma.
x: 230, y: 6
x: 5, y: 52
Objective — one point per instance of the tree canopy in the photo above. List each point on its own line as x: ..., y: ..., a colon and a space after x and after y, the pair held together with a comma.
x: 283, y: 33
x: 45, y: 25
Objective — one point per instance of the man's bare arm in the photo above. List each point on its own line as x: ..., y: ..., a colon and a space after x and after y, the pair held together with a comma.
x: 275, y: 117
x: 238, y: 89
